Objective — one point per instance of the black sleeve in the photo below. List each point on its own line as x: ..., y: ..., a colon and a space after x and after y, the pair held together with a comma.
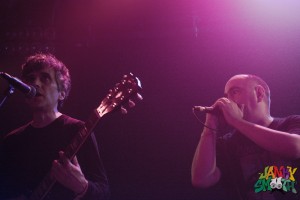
x: 93, y: 169
x: 294, y: 124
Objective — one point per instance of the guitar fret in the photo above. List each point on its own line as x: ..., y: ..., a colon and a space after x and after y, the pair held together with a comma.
x: 40, y: 192
x: 75, y: 143
x: 93, y: 119
x: 83, y: 133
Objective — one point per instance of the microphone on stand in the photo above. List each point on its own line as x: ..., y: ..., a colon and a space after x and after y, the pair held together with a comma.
x: 28, y: 90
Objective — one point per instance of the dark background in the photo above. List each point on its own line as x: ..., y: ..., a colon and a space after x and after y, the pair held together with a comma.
x: 182, y: 51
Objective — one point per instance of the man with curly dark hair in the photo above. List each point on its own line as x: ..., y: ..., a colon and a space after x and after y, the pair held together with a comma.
x: 32, y: 151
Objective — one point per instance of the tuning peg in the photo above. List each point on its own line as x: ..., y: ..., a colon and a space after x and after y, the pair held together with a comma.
x: 139, y: 96
x: 131, y: 104
x: 123, y: 110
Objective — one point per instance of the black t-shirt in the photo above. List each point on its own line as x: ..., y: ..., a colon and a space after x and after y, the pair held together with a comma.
x: 26, y: 156
x: 241, y: 161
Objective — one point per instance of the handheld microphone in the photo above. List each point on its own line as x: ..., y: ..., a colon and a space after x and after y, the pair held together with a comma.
x: 28, y: 90
x: 204, y: 109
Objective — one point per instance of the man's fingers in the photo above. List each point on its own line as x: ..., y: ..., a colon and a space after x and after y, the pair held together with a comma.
x: 63, y: 159
x: 75, y: 161
x: 242, y: 106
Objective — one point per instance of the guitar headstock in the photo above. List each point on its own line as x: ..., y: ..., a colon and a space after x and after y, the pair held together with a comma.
x: 127, y: 88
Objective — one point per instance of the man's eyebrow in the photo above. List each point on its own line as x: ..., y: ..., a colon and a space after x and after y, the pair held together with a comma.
x: 45, y: 74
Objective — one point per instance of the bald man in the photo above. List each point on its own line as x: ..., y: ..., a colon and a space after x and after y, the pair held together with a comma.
x: 237, y: 160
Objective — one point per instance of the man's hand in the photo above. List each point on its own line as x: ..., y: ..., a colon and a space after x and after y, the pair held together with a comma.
x: 232, y: 112
x: 69, y: 174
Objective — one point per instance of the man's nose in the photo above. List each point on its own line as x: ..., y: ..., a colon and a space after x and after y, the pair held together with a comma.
x: 231, y: 98
x: 36, y: 82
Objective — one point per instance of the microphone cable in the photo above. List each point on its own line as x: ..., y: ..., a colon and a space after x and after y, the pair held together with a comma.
x: 213, y: 129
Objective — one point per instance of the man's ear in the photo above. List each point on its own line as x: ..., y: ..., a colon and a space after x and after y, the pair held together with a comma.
x: 260, y: 93
x: 62, y: 95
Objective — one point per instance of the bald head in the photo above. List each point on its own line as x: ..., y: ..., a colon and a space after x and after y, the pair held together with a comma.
x: 247, y: 80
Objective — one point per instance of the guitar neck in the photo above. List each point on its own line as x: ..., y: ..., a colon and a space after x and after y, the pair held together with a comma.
x: 82, y: 135
x: 78, y: 140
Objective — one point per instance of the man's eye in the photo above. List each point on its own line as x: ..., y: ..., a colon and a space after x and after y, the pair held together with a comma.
x: 29, y: 79
x: 45, y: 79
x: 235, y: 92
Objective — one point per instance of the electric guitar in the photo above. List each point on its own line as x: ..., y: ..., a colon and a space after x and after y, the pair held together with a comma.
x: 128, y: 87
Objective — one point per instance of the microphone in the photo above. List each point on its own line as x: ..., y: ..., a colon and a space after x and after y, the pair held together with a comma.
x: 28, y: 90
x: 204, y: 109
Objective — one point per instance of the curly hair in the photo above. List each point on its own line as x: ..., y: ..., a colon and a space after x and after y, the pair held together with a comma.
x: 40, y: 61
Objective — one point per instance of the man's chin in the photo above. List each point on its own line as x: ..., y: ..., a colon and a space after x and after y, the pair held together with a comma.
x: 35, y: 105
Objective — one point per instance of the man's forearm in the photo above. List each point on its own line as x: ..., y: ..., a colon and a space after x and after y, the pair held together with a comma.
x: 283, y: 143
x: 204, y: 170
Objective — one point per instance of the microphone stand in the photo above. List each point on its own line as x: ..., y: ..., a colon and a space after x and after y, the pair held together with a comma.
x: 8, y: 92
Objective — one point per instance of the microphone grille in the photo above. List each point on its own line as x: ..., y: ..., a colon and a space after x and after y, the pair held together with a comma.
x: 31, y: 93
